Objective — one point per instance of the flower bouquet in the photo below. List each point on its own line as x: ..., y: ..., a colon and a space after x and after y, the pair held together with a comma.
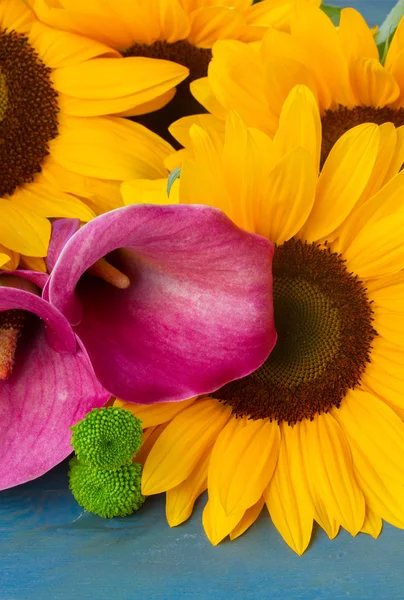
x: 202, y: 266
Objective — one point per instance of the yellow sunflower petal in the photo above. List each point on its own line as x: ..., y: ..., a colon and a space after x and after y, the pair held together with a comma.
x: 276, y: 13
x: 248, y: 519
x: 202, y: 91
x: 202, y: 179
x: 311, y: 26
x: 150, y: 437
x: 61, y: 49
x: 372, y: 83
x: 15, y: 16
x: 174, y: 22
x: 343, y: 178
x: 180, y: 129
x: 247, y: 465
x: 51, y: 202
x: 383, y: 447
x: 387, y: 383
x: 104, y: 23
x: 240, y: 167
x: 391, y: 326
x: 293, y: 177
x: 397, y: 71
x: 123, y: 106
x: 180, y: 500
x: 378, y: 250
x: 143, y: 79
x: 13, y: 259
x: 331, y: 473
x: 33, y: 263
x: 356, y: 39
x: 242, y: 94
x: 22, y: 230
x: 387, y: 201
x: 396, y: 46
x: 387, y: 292
x: 287, y: 496
x: 146, y: 191
x: 4, y: 258
x: 128, y: 150
x: 212, y: 23
x: 86, y: 187
x: 286, y: 63
x: 398, y: 159
x: 155, y: 414
x: 378, y: 454
x: 181, y: 445
x: 373, y: 523
x: 299, y: 124
x: 147, y: 107
x: 216, y: 523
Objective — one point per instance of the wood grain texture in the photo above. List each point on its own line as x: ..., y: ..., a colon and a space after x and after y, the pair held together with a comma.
x: 50, y: 550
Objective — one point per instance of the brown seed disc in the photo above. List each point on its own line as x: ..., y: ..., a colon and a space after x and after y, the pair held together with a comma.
x: 28, y: 112
x: 324, y: 324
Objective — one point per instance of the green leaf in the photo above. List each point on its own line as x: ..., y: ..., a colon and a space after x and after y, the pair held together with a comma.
x: 333, y: 12
x: 171, y: 178
x: 388, y: 28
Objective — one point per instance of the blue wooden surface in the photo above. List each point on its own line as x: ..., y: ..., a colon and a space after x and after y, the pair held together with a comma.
x: 374, y: 11
x: 50, y: 550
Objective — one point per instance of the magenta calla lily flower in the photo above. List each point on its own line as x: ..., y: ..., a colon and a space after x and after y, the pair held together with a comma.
x: 52, y: 385
x: 196, y: 315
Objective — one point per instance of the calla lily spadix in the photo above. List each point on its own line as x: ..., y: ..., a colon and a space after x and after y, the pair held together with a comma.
x: 197, y: 309
x: 39, y: 398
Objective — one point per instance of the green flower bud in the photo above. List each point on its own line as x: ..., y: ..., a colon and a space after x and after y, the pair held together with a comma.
x: 107, y: 438
x: 107, y: 493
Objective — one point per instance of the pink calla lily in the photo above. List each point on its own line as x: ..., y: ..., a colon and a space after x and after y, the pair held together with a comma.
x: 196, y: 315
x: 51, y: 387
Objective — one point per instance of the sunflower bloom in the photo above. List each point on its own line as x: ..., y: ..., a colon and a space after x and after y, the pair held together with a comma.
x: 316, y: 433
x: 169, y: 42
x: 54, y: 164
x: 340, y: 65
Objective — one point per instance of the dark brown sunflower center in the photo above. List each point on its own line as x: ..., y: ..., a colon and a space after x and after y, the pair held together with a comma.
x: 337, y: 122
x: 183, y: 104
x: 28, y: 112
x: 324, y: 324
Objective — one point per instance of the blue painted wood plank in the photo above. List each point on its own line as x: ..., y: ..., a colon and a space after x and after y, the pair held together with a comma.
x: 374, y: 11
x: 50, y: 550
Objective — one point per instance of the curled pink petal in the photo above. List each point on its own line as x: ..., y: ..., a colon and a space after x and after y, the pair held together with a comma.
x: 39, y: 279
x: 59, y: 334
x: 62, y: 231
x: 197, y: 314
x: 46, y: 394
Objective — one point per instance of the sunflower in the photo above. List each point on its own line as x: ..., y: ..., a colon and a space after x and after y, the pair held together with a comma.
x: 171, y: 40
x: 340, y: 65
x: 52, y: 163
x: 316, y: 433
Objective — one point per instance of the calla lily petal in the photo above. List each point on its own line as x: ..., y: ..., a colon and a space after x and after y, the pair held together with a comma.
x: 41, y: 400
x: 62, y: 231
x: 59, y: 334
x: 38, y: 279
x: 197, y: 314
x: 39, y: 403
